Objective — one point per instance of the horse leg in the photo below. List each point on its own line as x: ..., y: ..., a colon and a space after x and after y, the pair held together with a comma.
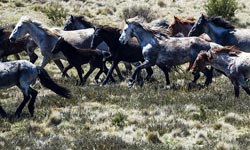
x: 26, y: 96
x: 128, y: 67
x: 60, y: 66
x: 30, y: 47
x: 209, y: 75
x: 31, y: 106
x: 66, y: 69
x: 243, y: 84
x: 236, y: 88
x: 105, y: 70
x: 149, y: 73
x: 117, y: 69
x: 45, y: 61
x: 33, y: 57
x: 17, y: 56
x: 113, y: 65
x: 80, y: 72
x: 165, y: 70
x: 145, y: 64
x: 2, y: 112
x: 91, y: 69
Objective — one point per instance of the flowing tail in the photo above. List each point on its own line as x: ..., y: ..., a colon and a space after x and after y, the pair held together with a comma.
x: 47, y: 82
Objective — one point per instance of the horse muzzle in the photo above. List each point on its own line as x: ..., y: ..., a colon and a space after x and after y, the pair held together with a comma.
x: 12, y: 39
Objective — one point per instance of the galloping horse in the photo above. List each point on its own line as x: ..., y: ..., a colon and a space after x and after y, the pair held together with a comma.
x: 130, y: 52
x: 78, y: 22
x: 23, y: 73
x: 222, y: 32
x: 7, y: 48
x: 165, y: 52
x: 229, y: 60
x: 46, y: 38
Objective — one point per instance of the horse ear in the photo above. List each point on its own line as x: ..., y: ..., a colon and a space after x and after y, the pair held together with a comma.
x: 71, y: 17
x: 126, y: 21
x: 176, y: 18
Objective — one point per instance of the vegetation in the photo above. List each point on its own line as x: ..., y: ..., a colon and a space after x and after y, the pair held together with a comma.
x: 114, y: 116
x: 224, y: 8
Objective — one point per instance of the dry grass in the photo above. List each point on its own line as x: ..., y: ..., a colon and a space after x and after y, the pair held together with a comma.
x: 115, y: 117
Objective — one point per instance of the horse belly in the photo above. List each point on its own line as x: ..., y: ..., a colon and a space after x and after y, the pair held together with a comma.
x: 7, y: 79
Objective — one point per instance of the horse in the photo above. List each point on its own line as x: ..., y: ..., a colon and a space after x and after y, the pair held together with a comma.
x: 180, y: 27
x: 7, y: 48
x: 22, y: 73
x: 165, y: 52
x: 77, y: 57
x: 46, y: 38
x: 222, y: 32
x: 130, y: 52
x: 78, y: 22
x: 229, y: 60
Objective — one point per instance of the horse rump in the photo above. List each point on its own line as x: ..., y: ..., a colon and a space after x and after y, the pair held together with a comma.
x: 47, y: 82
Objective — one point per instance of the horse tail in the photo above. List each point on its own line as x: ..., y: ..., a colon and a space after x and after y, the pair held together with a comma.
x: 47, y: 82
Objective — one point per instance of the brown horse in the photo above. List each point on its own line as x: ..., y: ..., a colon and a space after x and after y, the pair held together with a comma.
x: 25, y: 44
x: 182, y: 26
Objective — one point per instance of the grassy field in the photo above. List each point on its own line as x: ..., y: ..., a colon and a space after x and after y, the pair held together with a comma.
x: 114, y: 116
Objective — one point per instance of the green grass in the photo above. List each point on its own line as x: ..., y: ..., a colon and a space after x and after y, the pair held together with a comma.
x: 118, y: 117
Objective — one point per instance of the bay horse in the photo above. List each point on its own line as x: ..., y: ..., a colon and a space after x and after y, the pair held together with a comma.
x: 222, y: 32
x: 180, y: 27
x: 22, y: 73
x: 78, y: 22
x: 77, y: 57
x: 24, y: 44
x: 46, y: 38
x: 229, y: 60
x: 130, y: 52
x: 165, y: 52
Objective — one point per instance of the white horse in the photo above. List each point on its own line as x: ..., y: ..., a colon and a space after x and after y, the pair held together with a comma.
x: 46, y: 38
x: 164, y: 52
x: 233, y: 63
x: 23, y: 73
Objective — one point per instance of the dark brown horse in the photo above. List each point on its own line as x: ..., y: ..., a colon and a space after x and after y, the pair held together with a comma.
x: 25, y: 44
x: 130, y: 52
x: 77, y: 57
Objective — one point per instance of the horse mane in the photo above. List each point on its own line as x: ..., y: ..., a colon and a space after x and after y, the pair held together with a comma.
x: 188, y: 20
x: 232, y: 50
x: 39, y: 25
x: 158, y: 31
x: 84, y: 22
x: 219, y: 21
x: 108, y: 28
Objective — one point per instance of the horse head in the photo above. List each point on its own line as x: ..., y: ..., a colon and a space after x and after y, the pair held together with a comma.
x: 199, y: 26
x: 127, y: 33
x: 97, y: 37
x: 19, y: 31
x: 76, y: 22
x: 201, y: 61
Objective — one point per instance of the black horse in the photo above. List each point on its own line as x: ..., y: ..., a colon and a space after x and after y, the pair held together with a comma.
x: 77, y: 57
x: 130, y: 52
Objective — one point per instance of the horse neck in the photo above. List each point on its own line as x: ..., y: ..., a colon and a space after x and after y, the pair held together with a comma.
x: 112, y: 40
x: 144, y: 37
x: 222, y: 62
x: 215, y: 32
x: 37, y: 34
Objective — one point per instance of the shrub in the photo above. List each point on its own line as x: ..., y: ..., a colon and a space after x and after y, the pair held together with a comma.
x: 144, y: 12
x: 224, y: 8
x: 55, y: 12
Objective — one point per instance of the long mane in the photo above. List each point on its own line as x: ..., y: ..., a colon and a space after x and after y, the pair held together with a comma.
x: 188, y: 20
x: 227, y: 49
x: 84, y: 22
x: 221, y: 22
x: 39, y: 25
x: 158, y: 31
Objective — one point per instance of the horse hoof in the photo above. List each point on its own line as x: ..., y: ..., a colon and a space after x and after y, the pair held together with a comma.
x: 131, y: 83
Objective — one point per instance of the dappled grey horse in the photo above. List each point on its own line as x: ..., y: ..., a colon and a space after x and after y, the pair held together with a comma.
x: 46, y: 38
x: 233, y: 63
x: 22, y: 73
x: 222, y: 32
x: 165, y: 52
